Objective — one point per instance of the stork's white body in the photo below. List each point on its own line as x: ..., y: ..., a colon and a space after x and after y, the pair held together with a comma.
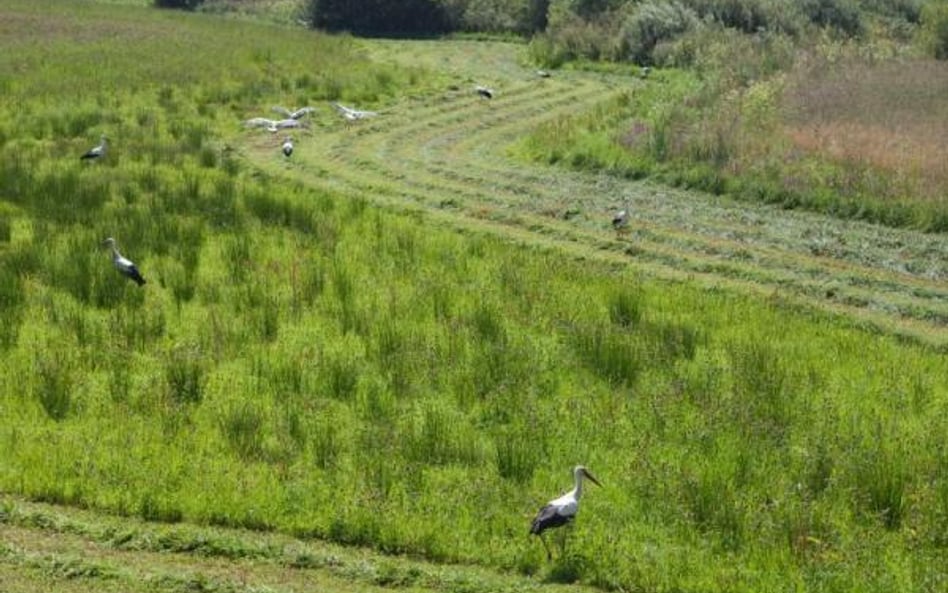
x: 123, y: 264
x: 621, y: 220
x: 294, y: 114
x: 353, y: 114
x: 272, y: 125
x: 260, y: 122
x: 562, y: 510
x: 97, y: 151
x: 288, y: 147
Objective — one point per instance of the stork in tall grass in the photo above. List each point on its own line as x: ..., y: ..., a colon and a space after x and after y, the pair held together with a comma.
x: 561, y: 511
x: 123, y: 264
x: 98, y: 151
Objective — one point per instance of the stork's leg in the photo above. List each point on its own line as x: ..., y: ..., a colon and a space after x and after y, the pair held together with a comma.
x: 564, y: 539
x: 549, y: 555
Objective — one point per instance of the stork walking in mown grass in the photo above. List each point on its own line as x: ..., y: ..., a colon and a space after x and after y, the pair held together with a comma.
x: 123, y: 264
x: 352, y: 114
x: 562, y: 510
x: 484, y: 92
x: 97, y: 151
x: 620, y: 221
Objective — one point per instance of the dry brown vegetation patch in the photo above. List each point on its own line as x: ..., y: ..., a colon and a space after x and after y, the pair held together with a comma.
x: 892, y: 115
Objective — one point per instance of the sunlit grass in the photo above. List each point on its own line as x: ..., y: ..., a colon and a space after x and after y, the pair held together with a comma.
x: 306, y: 361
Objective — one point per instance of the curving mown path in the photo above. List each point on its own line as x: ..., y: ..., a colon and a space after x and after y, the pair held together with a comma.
x: 447, y: 155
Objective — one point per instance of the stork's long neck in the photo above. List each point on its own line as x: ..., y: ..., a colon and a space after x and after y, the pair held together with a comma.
x: 578, y: 489
x: 115, y: 253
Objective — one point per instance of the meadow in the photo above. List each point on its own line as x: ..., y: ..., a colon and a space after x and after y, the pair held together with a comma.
x: 314, y: 360
x: 850, y: 129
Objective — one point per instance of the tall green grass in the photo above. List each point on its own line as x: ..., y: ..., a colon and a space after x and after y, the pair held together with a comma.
x: 304, y: 361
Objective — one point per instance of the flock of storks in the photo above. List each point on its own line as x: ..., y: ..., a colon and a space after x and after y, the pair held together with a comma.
x: 556, y: 513
x: 292, y: 119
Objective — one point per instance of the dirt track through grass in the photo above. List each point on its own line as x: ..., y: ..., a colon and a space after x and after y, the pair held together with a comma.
x: 448, y: 156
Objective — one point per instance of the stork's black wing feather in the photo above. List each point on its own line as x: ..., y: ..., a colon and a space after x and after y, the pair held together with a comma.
x: 135, y: 275
x: 547, y: 518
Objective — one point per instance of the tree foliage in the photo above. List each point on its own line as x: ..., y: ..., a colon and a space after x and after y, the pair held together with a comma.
x: 652, y: 23
x: 182, y: 4
x: 935, y: 28
x: 379, y: 17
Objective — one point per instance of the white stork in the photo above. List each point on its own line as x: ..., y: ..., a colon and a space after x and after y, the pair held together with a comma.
x: 272, y: 125
x: 621, y: 220
x: 543, y: 73
x: 123, y: 264
x: 97, y: 151
x: 285, y: 123
x: 294, y: 114
x: 562, y: 510
x: 259, y: 122
x: 485, y: 92
x: 353, y: 114
x: 288, y: 146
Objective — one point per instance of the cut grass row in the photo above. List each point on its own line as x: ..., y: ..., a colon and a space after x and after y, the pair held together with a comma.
x: 450, y: 154
x: 45, y: 547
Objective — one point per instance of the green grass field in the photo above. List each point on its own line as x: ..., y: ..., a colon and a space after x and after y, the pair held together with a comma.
x: 367, y: 366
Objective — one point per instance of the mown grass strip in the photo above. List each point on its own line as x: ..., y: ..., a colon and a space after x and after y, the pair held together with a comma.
x: 245, y: 553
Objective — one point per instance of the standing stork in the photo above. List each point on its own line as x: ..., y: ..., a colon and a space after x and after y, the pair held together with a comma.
x: 620, y: 221
x: 288, y: 146
x: 96, y: 151
x: 485, y: 92
x: 123, y: 264
x: 562, y: 510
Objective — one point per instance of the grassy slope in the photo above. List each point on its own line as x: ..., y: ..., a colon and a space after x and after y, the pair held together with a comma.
x: 833, y: 133
x: 286, y: 367
x: 891, y: 278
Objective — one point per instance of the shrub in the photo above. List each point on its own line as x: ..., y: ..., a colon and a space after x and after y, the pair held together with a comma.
x: 652, y: 23
x: 749, y: 16
x: 378, y: 17
x: 487, y: 15
x: 182, y: 4
x: 934, y: 20
x: 842, y: 15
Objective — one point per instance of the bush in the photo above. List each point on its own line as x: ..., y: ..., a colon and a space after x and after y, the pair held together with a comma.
x: 182, y: 4
x: 842, y: 15
x: 935, y: 29
x: 486, y: 15
x: 378, y: 17
x: 749, y: 16
x: 652, y: 23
